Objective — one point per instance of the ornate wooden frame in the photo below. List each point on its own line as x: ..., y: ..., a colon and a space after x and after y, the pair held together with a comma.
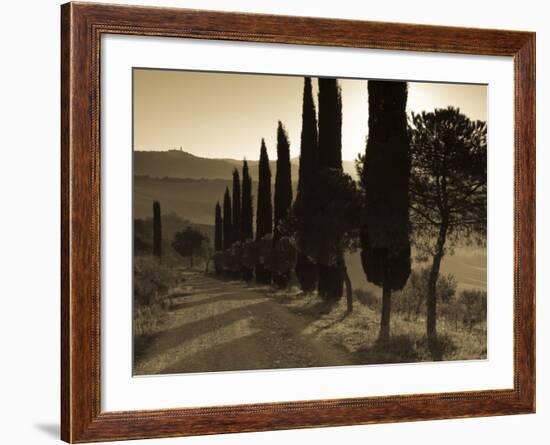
x: 82, y: 25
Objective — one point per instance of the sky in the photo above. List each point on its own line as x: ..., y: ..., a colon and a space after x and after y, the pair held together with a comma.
x: 225, y: 115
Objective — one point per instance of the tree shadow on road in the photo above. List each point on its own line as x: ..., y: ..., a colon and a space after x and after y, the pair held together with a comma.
x: 187, y: 303
x: 174, y: 337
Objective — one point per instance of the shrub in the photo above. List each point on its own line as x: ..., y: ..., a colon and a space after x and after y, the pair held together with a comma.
x: 249, y: 253
x: 474, y: 302
x: 367, y: 298
x: 283, y: 256
x: 412, y: 301
x: 265, y: 251
x: 151, y: 280
x: 218, y: 262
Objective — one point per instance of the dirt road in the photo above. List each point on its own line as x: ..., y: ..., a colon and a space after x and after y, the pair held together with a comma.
x: 219, y: 325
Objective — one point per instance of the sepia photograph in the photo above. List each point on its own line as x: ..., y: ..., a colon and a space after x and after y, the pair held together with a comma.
x: 300, y: 221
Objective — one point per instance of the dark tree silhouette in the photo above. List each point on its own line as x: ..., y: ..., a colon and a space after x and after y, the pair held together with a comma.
x: 247, y: 230
x: 218, y: 229
x: 189, y: 243
x: 236, y: 206
x: 386, y: 251
x: 227, y: 221
x: 218, y: 240
x: 264, y: 212
x: 247, y: 233
x: 448, y: 189
x: 330, y: 124
x: 157, y: 230
x: 283, y: 195
x: 331, y: 274
x: 306, y: 269
x: 334, y: 226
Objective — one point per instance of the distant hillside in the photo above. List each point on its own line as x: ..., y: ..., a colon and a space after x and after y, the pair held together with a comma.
x: 171, y: 223
x: 191, y: 199
x: 180, y: 164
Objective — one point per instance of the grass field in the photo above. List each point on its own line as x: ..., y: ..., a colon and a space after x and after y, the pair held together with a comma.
x: 357, y: 332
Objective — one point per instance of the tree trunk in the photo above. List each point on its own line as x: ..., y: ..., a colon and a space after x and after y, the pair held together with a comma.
x: 347, y: 282
x: 191, y: 262
x: 384, y: 334
x: 431, y: 319
x: 331, y: 282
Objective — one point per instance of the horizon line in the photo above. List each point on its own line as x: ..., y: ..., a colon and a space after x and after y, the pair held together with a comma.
x: 166, y: 150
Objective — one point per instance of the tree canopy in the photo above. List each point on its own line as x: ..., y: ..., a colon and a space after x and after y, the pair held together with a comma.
x: 247, y: 231
x: 189, y: 243
x: 236, y: 210
x: 306, y: 197
x: 283, y: 182
x: 264, y: 213
x: 330, y: 257
x: 227, y: 221
x: 448, y: 189
x: 218, y: 229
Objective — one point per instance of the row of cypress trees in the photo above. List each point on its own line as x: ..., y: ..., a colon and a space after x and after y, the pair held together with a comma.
x: 329, y: 214
x: 318, y: 262
x: 319, y: 235
x: 235, y: 225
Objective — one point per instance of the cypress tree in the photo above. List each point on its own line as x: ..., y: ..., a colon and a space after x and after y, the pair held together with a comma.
x: 227, y: 221
x: 385, y: 245
x: 264, y: 211
x: 283, y: 193
x: 306, y: 269
x: 330, y: 124
x: 246, y: 207
x: 157, y: 230
x: 218, y: 239
x: 283, y: 183
x: 236, y: 207
x: 218, y: 232
x: 246, y: 216
x: 331, y: 274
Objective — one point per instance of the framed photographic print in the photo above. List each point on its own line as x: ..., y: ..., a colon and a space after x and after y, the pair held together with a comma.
x: 275, y: 222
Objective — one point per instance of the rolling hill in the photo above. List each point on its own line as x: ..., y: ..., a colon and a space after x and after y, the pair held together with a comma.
x: 192, y: 199
x: 180, y: 164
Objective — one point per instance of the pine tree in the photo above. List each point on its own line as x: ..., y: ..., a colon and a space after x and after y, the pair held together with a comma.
x: 236, y: 207
x: 448, y: 187
x: 386, y: 251
x: 246, y: 219
x: 218, y: 232
x: 264, y: 211
x: 306, y: 269
x: 157, y: 230
x: 331, y: 274
x: 283, y: 193
x: 227, y: 221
